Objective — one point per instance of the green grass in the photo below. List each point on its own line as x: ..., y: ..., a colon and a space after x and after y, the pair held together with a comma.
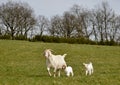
x: 23, y: 63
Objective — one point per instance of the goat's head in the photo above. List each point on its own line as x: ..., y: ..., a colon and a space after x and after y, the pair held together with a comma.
x: 64, y: 67
x: 47, y: 53
x: 86, y: 65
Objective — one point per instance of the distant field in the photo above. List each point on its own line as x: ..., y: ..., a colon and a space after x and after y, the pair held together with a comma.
x: 22, y: 63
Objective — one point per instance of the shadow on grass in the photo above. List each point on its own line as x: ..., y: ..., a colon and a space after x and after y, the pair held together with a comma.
x: 34, y: 75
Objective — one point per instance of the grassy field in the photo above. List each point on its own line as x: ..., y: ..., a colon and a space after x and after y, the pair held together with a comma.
x: 22, y: 63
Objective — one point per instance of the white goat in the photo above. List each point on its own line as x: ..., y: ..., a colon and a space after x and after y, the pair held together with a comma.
x: 69, y: 71
x: 89, y: 68
x: 55, y: 61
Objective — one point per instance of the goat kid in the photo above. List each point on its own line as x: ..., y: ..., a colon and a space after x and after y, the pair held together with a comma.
x: 69, y: 71
x: 89, y: 68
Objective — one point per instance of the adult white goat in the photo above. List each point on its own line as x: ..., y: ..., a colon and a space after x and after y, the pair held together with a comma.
x: 54, y: 61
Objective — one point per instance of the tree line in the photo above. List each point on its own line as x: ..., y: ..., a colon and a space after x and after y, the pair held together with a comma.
x: 101, y: 24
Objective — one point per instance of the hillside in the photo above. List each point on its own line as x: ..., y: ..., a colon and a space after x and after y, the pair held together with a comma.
x: 23, y: 63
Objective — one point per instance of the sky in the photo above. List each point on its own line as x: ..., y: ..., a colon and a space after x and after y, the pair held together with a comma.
x: 50, y: 8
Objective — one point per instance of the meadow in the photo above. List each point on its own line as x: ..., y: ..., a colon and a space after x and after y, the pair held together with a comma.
x: 23, y: 63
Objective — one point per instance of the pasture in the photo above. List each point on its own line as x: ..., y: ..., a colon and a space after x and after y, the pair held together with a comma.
x: 23, y: 63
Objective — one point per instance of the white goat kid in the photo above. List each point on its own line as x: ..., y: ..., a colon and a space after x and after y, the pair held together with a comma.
x: 54, y: 61
x: 69, y: 71
x: 89, y: 68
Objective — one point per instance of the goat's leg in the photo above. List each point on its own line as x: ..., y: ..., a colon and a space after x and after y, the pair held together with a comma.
x: 48, y: 69
x: 55, y: 72
x: 59, y: 72
x: 86, y: 72
x: 72, y: 73
x: 92, y: 71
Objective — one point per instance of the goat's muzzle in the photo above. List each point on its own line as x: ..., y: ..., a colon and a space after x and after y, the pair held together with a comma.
x: 64, y: 66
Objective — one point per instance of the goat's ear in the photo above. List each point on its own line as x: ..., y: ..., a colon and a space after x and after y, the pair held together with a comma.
x: 51, y: 50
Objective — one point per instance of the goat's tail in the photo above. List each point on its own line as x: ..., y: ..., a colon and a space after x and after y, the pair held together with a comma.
x: 64, y: 55
x: 90, y: 63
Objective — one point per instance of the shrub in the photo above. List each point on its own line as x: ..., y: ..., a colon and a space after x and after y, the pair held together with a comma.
x: 5, y: 37
x: 80, y: 40
x: 20, y: 37
x: 62, y: 40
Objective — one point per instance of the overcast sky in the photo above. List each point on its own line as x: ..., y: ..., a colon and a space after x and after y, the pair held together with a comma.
x: 50, y: 8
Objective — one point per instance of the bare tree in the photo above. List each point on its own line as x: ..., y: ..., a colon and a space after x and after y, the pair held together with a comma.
x: 107, y: 16
x: 93, y: 21
x: 42, y: 24
x: 76, y: 10
x: 57, y: 26
x: 85, y: 20
x: 102, y: 18
x: 17, y: 17
x: 82, y: 16
x: 114, y: 30
x: 69, y: 24
x: 1, y: 27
